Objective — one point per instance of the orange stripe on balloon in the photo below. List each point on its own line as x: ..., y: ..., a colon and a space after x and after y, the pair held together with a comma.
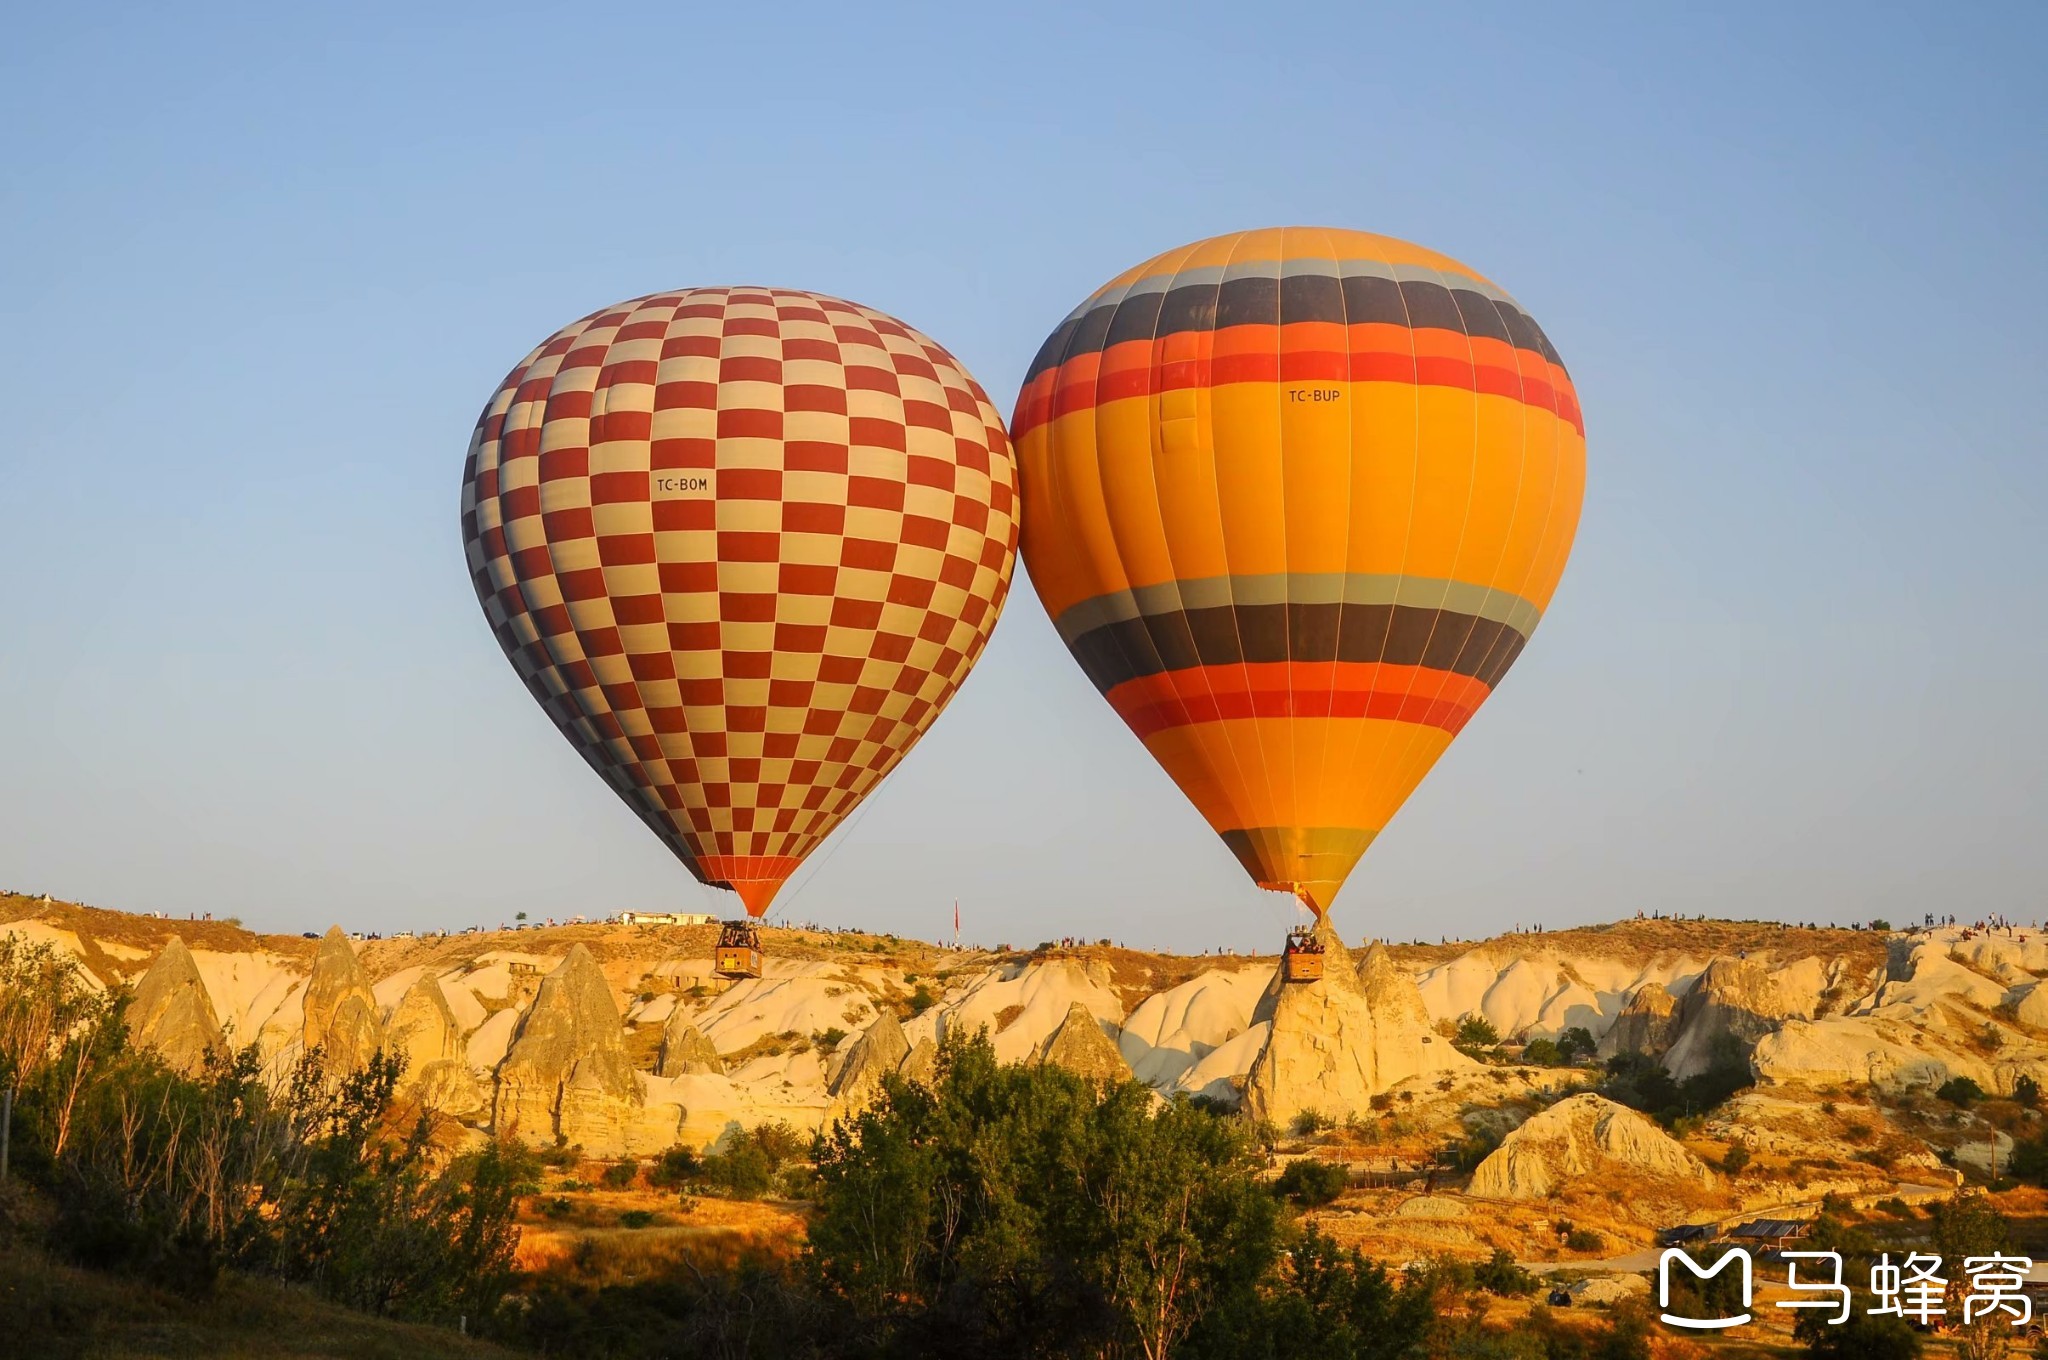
x: 1298, y: 689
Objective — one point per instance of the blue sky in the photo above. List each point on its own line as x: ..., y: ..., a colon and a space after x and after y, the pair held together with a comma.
x: 259, y: 268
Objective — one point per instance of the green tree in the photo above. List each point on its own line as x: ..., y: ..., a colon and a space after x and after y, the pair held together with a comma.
x: 1310, y: 1181
x: 1961, y: 1092
x: 1476, y: 1031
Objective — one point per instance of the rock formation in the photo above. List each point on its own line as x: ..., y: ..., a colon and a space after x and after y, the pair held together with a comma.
x: 1079, y: 1045
x: 685, y: 1051
x: 880, y: 1050
x: 1737, y: 997
x: 922, y: 1066
x: 1334, y: 1044
x: 423, y: 1028
x: 340, y: 1010
x: 172, y: 1013
x: 568, y: 1073
x: 2032, y: 1010
x: 1644, y: 1025
x: 1583, y: 1136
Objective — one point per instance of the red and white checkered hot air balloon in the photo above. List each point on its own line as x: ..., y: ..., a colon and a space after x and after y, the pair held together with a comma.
x: 742, y: 544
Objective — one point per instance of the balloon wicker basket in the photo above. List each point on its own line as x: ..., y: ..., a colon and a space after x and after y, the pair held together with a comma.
x: 1303, y: 958
x: 738, y: 953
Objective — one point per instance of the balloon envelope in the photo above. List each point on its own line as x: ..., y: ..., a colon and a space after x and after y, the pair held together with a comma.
x: 742, y: 544
x: 1295, y: 500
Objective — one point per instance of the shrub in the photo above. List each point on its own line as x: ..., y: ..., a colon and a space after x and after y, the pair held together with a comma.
x: 1575, y: 1043
x: 780, y: 1143
x: 1542, y: 1053
x: 742, y: 1171
x: 921, y: 1000
x: 1499, y: 1274
x: 619, y: 1175
x: 1310, y: 1181
x: 1584, y: 1239
x: 1961, y: 1092
x: 829, y: 1038
x: 1736, y: 1158
x: 1476, y: 1031
x: 636, y: 1218
x: 558, y: 1207
x: 1307, y: 1123
x: 2027, y: 1092
x: 673, y: 1168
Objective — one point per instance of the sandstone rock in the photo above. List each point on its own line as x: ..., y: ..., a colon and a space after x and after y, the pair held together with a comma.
x: 2032, y: 1010
x: 423, y: 1028
x: 1334, y: 1044
x: 1737, y: 997
x: 1080, y: 1046
x: 1582, y: 1139
x: 922, y: 1066
x: 340, y: 1009
x: 1597, y: 1290
x: 567, y: 1073
x: 685, y: 1051
x: 880, y: 1050
x: 172, y: 1013
x: 1644, y: 1025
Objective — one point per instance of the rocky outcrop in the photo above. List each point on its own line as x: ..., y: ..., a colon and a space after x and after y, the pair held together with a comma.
x: 686, y: 1052
x: 1332, y: 1045
x: 1578, y: 1138
x: 1645, y: 1024
x: 1080, y: 1046
x: 567, y: 1074
x: 880, y: 1050
x: 424, y: 1030
x: 1733, y: 997
x: 340, y: 1009
x: 171, y: 1012
x: 2032, y: 1010
x: 922, y: 1066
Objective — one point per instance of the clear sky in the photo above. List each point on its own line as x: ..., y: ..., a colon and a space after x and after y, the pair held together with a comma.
x: 259, y: 269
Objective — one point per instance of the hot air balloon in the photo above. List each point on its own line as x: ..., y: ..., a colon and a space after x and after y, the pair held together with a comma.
x: 1295, y: 500
x: 743, y: 545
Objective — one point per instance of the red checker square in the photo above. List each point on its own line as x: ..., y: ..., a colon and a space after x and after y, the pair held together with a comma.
x: 957, y: 571
x: 521, y: 502
x: 814, y: 797
x: 926, y: 415
x: 671, y: 796
x: 625, y: 550
x: 629, y: 370
x: 798, y: 637
x: 798, y: 579
x: 618, y: 488
x: 866, y: 699
x: 750, y: 484
x: 742, y: 818
x: 814, y: 455
x: 889, y: 647
x: 700, y: 820
x: 878, y: 493
x: 936, y: 628
x: 970, y: 513
x: 709, y: 745
x: 749, y: 368
x: 820, y: 723
x: 749, y: 325
x: 690, y: 345
x: 746, y: 770
x: 813, y: 517
x: 848, y: 777
x: 666, y: 719
x: 749, y: 424
x: 924, y: 470
x: 686, y: 396
x: 746, y: 718
x: 637, y: 608
x: 1001, y: 498
x: 651, y: 666
x: 682, y: 578
x: 856, y: 613
x: 779, y: 745
x: 867, y: 378
x: 813, y: 397
x: 645, y: 330
x: 603, y: 642
x: 915, y: 364
x: 841, y: 749
x: 785, y: 818
x: 645, y: 747
x: 703, y: 694
x: 922, y: 531
x: 668, y: 454
x: 574, y: 522
x: 746, y: 607
x: 747, y: 665
x: 803, y: 771
x: 875, y: 433
x: 971, y: 455
x: 621, y: 698
x: 800, y: 347
x: 915, y: 713
x: 791, y: 693
x: 749, y: 545
x: 587, y: 584
x: 670, y: 516
x: 910, y: 680
x: 552, y: 620
x: 561, y: 464
x: 888, y: 326
x: 588, y: 356
x: 856, y: 333
x: 718, y: 795
x: 958, y: 399
x: 910, y: 590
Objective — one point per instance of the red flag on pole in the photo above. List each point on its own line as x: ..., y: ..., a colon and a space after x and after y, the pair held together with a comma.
x: 956, y: 923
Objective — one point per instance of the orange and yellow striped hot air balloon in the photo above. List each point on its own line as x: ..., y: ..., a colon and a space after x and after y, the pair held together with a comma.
x: 1295, y: 499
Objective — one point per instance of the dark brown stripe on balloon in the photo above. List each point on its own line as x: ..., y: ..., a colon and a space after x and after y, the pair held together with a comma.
x: 1403, y: 635
x: 1352, y: 300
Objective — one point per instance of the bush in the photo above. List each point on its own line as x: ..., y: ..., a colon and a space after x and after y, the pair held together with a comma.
x: 921, y: 1000
x: 742, y: 1171
x: 829, y: 1038
x: 780, y: 1143
x: 1310, y: 1181
x: 619, y: 1175
x: 1584, y: 1239
x: 1476, y: 1031
x: 1542, y: 1053
x: 1307, y: 1123
x: 636, y: 1218
x: 1575, y: 1043
x: 1736, y: 1158
x: 1499, y: 1274
x: 1961, y: 1092
x: 674, y: 1168
x: 2027, y: 1092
